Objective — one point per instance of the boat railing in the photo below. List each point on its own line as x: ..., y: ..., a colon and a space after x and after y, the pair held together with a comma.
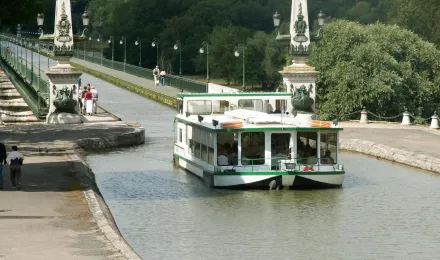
x: 285, y: 163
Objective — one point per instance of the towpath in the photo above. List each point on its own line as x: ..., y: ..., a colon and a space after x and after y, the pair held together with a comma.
x: 50, y: 217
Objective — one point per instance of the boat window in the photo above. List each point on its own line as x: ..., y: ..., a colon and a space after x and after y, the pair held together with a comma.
x: 220, y: 106
x: 180, y: 135
x: 197, y: 150
x: 251, y: 104
x: 252, y: 148
x: 307, y: 147
x: 204, y: 153
x: 199, y: 107
x: 280, y: 146
x: 227, y: 149
x: 329, y: 148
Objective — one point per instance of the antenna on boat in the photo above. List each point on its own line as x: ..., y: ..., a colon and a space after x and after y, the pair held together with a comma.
x: 214, y: 123
x: 200, y: 118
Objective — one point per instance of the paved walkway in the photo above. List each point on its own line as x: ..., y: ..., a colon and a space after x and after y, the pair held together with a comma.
x: 50, y: 218
x: 416, y: 139
x: 149, y: 84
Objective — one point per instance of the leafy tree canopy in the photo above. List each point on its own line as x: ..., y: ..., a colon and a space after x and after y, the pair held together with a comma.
x: 382, y: 67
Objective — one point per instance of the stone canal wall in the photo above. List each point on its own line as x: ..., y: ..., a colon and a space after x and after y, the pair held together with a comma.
x: 95, y: 200
x: 406, y: 157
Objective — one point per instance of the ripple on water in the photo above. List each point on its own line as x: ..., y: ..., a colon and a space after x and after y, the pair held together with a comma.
x: 384, y: 211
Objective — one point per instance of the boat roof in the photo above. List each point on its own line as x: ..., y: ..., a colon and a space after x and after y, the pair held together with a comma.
x: 253, y: 121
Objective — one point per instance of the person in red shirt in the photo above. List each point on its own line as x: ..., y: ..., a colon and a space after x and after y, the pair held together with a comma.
x: 89, y: 102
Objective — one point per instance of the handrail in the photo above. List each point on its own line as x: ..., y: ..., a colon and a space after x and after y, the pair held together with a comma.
x: 186, y: 84
x: 278, y: 163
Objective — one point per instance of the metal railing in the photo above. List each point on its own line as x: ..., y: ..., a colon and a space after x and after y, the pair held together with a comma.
x: 35, y: 79
x: 172, y: 80
x: 297, y: 163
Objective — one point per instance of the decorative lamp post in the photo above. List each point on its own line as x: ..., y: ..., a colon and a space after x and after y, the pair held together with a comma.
x: 202, y: 50
x: 178, y: 45
x: 139, y: 42
x: 86, y: 20
x: 321, y: 22
x: 155, y: 43
x: 240, y: 50
x: 276, y: 21
x: 40, y: 21
x: 112, y: 41
x: 100, y: 41
x: 124, y: 41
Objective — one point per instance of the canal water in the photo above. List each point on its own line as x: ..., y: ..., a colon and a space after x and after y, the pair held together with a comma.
x: 384, y: 210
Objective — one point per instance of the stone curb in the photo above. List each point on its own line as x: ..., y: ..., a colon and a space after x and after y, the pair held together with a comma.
x: 95, y: 201
x: 424, y: 162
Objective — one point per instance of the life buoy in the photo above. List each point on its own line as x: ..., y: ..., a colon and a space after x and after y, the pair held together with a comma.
x: 318, y: 123
x: 232, y: 125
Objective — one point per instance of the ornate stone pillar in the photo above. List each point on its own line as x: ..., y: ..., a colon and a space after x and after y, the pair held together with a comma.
x: 64, y: 89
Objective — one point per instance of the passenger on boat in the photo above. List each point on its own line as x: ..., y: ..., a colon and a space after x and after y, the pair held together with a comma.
x: 233, y: 155
x: 222, y: 159
x: 326, y: 158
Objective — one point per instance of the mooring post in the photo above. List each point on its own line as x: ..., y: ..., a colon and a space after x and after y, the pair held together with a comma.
x: 406, y: 120
x: 364, y: 116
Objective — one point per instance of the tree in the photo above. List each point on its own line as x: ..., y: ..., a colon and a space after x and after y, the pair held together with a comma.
x: 382, y: 67
x: 19, y: 11
x: 265, y: 60
x: 223, y: 62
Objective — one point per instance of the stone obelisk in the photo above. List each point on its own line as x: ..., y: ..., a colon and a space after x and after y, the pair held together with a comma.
x: 299, y: 78
x: 63, y: 78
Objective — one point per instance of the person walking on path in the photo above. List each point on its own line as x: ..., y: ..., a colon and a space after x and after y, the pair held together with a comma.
x: 2, y: 162
x: 95, y: 99
x: 15, y: 159
x: 162, y: 78
x: 156, y: 75
x: 89, y: 102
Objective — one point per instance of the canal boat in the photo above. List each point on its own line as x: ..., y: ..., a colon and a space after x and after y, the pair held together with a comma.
x: 251, y: 140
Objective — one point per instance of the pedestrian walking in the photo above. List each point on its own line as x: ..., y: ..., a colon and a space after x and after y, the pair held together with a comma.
x: 163, y: 78
x: 89, y: 101
x: 2, y: 162
x: 15, y: 160
x: 156, y: 75
x: 95, y: 99
x: 79, y: 82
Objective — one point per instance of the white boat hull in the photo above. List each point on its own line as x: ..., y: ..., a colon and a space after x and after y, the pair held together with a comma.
x: 314, y: 180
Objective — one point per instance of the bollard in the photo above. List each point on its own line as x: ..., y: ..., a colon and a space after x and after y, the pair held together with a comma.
x: 434, y: 121
x: 406, y: 120
x: 364, y: 116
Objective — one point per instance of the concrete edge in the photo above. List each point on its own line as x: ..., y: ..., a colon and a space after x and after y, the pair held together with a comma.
x: 148, y: 93
x: 421, y: 161
x: 97, y: 205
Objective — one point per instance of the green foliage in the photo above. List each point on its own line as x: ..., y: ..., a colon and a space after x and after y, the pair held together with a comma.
x: 384, y: 68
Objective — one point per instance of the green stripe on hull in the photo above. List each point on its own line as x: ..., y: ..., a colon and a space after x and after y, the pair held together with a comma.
x: 263, y: 173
